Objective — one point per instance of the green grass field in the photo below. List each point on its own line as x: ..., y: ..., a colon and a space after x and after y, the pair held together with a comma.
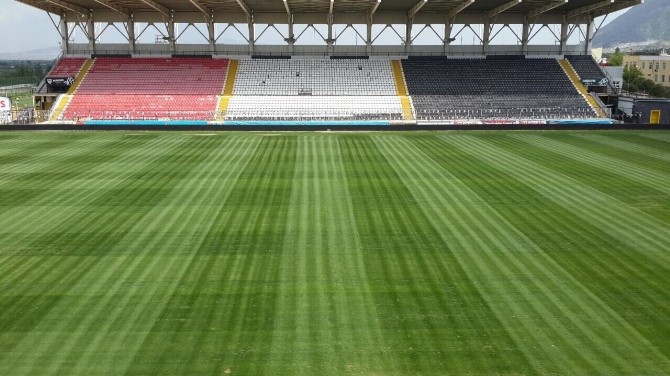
x: 465, y: 253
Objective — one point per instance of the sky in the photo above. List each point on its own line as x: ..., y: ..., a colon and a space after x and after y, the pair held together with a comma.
x: 25, y: 28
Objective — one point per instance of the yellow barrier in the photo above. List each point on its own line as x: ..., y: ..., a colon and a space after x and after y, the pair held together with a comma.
x: 407, y: 113
x: 399, y: 78
x: 230, y: 80
x: 59, y: 107
x: 572, y: 75
x: 401, y: 91
x: 224, y: 100
x: 80, y: 77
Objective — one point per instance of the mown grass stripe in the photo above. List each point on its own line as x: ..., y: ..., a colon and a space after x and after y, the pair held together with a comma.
x: 593, y: 256
x: 628, y: 145
x: 518, y: 167
x: 647, y: 234
x: 54, y: 351
x: 54, y: 224
x: 552, y: 274
x: 635, y: 171
x: 422, y: 315
x: 479, y: 240
x: 181, y: 201
x: 352, y: 253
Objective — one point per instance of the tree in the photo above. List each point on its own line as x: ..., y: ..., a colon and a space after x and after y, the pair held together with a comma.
x: 615, y: 59
x: 631, y: 73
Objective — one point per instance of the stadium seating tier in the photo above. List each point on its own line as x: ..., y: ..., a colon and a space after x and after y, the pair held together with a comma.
x: 147, y: 88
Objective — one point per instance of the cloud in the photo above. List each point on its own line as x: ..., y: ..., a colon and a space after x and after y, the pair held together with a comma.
x: 25, y: 28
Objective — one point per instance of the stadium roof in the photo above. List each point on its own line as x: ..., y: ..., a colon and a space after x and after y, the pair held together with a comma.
x: 410, y: 7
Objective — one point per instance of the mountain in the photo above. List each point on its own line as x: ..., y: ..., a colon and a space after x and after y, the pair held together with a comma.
x: 643, y: 23
x: 41, y: 54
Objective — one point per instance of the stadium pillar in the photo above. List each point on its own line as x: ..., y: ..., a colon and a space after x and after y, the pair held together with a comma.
x: 487, y: 37
x: 131, y: 33
x: 170, y: 30
x: 408, y: 35
x: 211, y: 32
x: 90, y: 31
x: 368, y: 42
x: 252, y: 34
x: 291, y: 37
x: 65, y: 34
x: 525, y: 36
x: 590, y: 33
x: 330, y: 41
x: 448, y: 27
x: 565, y: 26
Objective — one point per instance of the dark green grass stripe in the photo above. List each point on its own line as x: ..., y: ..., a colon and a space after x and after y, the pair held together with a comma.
x: 105, y: 274
x: 545, y: 298
x: 60, y: 229
x: 635, y: 171
x: 631, y: 146
x: 634, y: 193
x: 421, y: 293
x: 660, y: 136
x: 473, y: 231
x: 29, y: 151
x: 229, y: 154
x: 646, y: 234
x: 252, y: 317
x: 517, y: 167
x: 594, y: 257
x: 225, y: 316
x: 32, y: 255
x: 319, y: 307
x: 165, y: 151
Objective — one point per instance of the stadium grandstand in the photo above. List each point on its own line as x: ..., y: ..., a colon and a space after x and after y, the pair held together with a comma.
x: 404, y: 62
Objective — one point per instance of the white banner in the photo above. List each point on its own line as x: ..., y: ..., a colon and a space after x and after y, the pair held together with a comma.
x: 5, y: 104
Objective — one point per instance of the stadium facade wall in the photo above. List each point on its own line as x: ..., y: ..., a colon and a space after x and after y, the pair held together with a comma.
x: 231, y: 50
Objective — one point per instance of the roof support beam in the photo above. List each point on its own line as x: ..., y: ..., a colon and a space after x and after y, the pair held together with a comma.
x: 461, y: 7
x: 161, y: 9
x: 616, y: 7
x: 415, y: 9
x: 70, y: 7
x: 588, y: 9
x: 544, y: 9
x: 114, y: 7
x: 375, y: 7
x: 288, y: 9
x: 202, y: 8
x: 245, y: 7
x: 37, y: 5
x: 330, y: 7
x: 494, y: 12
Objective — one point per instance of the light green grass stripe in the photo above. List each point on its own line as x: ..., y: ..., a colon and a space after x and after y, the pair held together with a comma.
x: 546, y: 182
x: 629, y: 146
x: 644, y: 233
x: 320, y: 258
x: 49, y: 349
x: 55, y: 209
x: 31, y: 151
x: 602, y: 263
x: 32, y: 223
x: 259, y: 221
x: 618, y: 166
x: 663, y: 136
x: 461, y: 226
x: 496, y: 233
x: 135, y: 267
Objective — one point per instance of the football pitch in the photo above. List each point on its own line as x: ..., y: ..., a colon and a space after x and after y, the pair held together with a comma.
x: 464, y: 253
